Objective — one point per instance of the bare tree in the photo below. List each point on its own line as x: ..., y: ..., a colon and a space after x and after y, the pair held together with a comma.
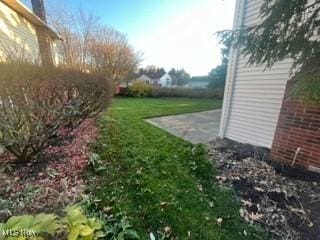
x: 76, y: 28
x: 87, y: 26
x: 89, y: 46
x: 112, y: 55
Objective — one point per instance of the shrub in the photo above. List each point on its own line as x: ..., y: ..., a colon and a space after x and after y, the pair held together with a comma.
x: 140, y: 89
x: 187, y: 92
x: 157, y: 92
x: 37, y: 103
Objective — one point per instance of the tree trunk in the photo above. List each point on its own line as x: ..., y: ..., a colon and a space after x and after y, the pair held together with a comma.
x: 43, y: 37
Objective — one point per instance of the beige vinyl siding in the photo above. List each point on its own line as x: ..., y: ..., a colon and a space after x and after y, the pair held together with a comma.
x: 256, y: 94
x: 55, y: 53
x: 17, y: 35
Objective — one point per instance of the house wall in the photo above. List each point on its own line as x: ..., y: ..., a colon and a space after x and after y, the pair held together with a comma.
x: 253, y: 94
x: 164, y: 80
x: 17, y: 35
x: 145, y: 79
x: 298, y: 128
x: 57, y: 58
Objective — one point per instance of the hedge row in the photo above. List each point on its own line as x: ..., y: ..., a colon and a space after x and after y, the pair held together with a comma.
x: 187, y: 92
x: 140, y: 89
x: 38, y: 105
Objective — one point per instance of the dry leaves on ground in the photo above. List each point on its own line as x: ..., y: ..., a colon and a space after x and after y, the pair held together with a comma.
x: 286, y: 206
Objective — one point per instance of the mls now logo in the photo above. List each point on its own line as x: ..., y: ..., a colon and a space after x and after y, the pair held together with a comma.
x: 18, y: 233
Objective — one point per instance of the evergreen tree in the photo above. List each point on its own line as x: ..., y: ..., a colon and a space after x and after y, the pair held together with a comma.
x: 217, y: 76
x: 179, y: 76
x: 290, y: 29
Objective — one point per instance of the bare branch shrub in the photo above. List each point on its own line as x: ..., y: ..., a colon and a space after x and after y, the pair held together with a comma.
x: 37, y: 102
x: 112, y: 55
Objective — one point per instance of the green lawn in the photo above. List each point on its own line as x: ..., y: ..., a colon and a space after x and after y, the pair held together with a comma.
x: 159, y: 180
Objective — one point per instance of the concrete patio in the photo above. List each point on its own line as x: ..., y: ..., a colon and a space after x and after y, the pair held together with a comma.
x: 200, y: 127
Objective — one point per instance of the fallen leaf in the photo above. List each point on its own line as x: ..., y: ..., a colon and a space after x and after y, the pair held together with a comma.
x: 162, y: 204
x: 152, y: 237
x: 243, y: 212
x: 259, y: 189
x: 255, y: 216
x: 107, y: 209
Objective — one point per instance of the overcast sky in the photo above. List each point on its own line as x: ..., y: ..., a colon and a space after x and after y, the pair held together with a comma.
x: 170, y: 33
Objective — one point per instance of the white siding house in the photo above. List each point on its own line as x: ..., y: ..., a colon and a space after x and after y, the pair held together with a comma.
x: 253, y: 94
x: 18, y: 32
x: 145, y: 79
x: 166, y: 80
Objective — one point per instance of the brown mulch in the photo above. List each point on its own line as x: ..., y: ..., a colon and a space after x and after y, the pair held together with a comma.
x: 284, y: 202
x: 52, y: 181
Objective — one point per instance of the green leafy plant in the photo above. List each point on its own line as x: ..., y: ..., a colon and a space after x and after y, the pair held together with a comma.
x: 74, y: 225
x: 115, y: 226
x: 120, y: 230
x: 79, y: 227
x: 29, y: 227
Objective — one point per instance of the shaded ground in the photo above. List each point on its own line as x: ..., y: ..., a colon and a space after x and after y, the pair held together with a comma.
x: 52, y: 182
x: 285, y: 201
x: 200, y: 127
x: 166, y: 186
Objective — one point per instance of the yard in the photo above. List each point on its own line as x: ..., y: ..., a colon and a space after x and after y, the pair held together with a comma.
x: 77, y: 163
x: 165, y: 186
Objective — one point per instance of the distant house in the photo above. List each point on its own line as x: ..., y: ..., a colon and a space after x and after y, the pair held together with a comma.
x: 161, y: 81
x: 165, y: 80
x: 144, y: 78
x: 19, y: 33
x: 198, y: 82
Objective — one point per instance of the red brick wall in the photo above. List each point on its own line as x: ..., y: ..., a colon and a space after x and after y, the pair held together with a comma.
x: 298, y: 126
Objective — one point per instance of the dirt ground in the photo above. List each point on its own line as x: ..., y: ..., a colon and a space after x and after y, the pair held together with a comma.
x: 283, y: 200
x: 51, y: 181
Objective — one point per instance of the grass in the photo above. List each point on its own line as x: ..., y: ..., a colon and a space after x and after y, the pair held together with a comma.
x: 159, y: 180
